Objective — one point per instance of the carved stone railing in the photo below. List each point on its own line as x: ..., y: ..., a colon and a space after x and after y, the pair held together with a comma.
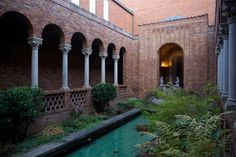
x: 60, y: 101
x: 78, y: 99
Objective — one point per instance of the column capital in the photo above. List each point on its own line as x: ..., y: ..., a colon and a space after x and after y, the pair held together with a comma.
x: 87, y: 51
x: 103, y: 54
x: 115, y: 57
x: 224, y: 28
x: 35, y: 42
x: 229, y: 8
x: 65, y: 48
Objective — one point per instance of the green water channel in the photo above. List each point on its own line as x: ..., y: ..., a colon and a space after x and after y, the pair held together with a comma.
x: 121, y: 142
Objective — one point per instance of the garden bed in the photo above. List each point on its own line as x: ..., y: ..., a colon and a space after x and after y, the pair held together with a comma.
x: 78, y: 139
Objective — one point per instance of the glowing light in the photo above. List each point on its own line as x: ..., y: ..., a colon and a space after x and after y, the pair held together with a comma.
x: 166, y: 64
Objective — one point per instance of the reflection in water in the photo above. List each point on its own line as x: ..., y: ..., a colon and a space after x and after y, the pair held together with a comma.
x: 118, y: 143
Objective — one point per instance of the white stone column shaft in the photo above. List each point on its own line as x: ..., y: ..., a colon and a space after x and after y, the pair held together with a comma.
x: 103, y: 56
x: 221, y: 70
x: 65, y: 48
x: 116, y: 58
x: 231, y: 102
x: 218, y: 70
x: 87, y: 52
x: 225, y: 67
x: 34, y: 42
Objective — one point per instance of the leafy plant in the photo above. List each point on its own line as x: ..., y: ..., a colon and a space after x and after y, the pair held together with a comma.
x: 102, y: 94
x: 188, y: 137
x: 18, y: 108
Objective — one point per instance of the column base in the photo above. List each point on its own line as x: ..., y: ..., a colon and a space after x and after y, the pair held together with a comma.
x: 87, y: 86
x: 64, y: 88
x: 115, y: 84
x: 230, y: 105
x: 224, y: 97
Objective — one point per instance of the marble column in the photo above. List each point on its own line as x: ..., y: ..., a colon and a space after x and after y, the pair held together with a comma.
x: 103, y: 56
x: 218, y: 69
x: 231, y: 102
x: 65, y: 48
x: 34, y: 42
x: 221, y: 71
x: 225, y: 66
x: 116, y: 58
x: 87, y: 52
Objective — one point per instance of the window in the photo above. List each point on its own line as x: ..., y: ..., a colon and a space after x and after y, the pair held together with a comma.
x: 92, y: 6
x: 75, y: 2
x: 106, y: 9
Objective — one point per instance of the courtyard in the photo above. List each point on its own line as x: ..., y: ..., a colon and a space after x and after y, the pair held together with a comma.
x: 117, y: 78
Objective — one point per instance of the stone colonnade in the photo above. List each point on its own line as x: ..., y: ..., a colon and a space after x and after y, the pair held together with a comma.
x: 226, y: 51
x: 35, y: 43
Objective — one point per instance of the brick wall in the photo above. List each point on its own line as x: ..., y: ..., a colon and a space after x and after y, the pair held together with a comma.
x: 120, y: 16
x: 192, y: 36
x: 148, y: 11
x: 70, y: 19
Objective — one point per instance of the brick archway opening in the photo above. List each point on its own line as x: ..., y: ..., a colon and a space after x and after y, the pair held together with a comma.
x: 95, y: 62
x: 76, y: 60
x: 121, y: 66
x: 172, y: 64
x: 50, y: 58
x: 110, y: 63
x: 15, y: 53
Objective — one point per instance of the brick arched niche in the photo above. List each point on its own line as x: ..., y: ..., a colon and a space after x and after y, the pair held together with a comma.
x: 171, y: 64
x: 50, y: 57
x: 76, y: 60
x: 15, y: 53
x: 111, y: 50
x: 95, y: 61
x: 121, y: 63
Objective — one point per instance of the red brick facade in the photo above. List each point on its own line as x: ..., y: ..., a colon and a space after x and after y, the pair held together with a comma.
x: 195, y: 38
x: 148, y: 11
x: 141, y: 59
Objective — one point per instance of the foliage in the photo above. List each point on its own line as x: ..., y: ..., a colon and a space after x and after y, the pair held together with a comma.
x: 56, y: 132
x: 102, y: 93
x: 123, y: 107
x: 188, y: 137
x: 185, y: 125
x: 18, y: 108
x: 211, y: 92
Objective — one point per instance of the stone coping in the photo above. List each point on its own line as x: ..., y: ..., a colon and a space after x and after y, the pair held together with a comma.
x: 78, y: 139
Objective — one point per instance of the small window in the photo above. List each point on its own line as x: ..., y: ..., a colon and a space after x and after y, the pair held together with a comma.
x: 75, y: 2
x: 106, y: 9
x: 92, y: 6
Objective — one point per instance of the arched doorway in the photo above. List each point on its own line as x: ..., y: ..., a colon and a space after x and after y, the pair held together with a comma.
x: 15, y: 53
x: 172, y: 64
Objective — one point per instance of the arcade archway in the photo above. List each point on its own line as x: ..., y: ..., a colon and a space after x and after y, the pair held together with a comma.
x: 172, y: 64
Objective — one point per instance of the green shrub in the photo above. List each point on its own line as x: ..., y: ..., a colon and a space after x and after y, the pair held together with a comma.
x: 18, y: 108
x: 102, y: 94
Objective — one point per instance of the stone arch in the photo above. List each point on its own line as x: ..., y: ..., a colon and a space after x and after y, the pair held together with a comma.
x: 15, y: 54
x: 95, y: 61
x: 171, y: 63
x: 111, y: 50
x: 50, y: 57
x: 121, y: 61
x: 76, y: 60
